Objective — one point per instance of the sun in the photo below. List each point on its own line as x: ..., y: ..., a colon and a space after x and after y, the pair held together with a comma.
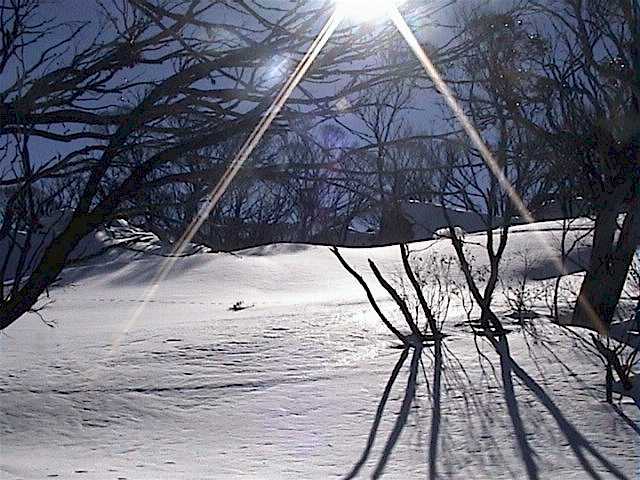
x: 367, y: 10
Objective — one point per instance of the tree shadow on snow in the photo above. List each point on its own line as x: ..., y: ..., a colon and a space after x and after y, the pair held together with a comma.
x: 580, y: 446
x: 526, y: 452
x: 589, y: 458
x: 548, y: 268
x: 401, y: 420
x: 403, y: 415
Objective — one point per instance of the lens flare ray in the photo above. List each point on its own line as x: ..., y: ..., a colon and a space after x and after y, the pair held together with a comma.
x: 479, y: 143
x: 215, y: 194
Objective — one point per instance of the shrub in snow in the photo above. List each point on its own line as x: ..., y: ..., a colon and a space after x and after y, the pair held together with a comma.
x: 239, y: 306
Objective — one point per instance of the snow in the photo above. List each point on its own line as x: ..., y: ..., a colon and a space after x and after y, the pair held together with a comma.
x: 97, y: 243
x: 446, y: 233
x: 289, y: 388
x: 426, y: 219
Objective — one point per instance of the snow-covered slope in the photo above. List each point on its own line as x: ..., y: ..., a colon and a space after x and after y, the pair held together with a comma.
x: 23, y: 250
x: 188, y: 388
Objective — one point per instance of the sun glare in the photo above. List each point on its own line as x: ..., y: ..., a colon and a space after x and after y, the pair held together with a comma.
x: 367, y: 10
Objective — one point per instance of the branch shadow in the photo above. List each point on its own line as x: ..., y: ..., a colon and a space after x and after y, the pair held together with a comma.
x: 590, y: 459
x: 403, y: 415
x: 401, y: 419
x: 378, y: 417
x: 436, y: 413
x: 577, y: 442
x: 526, y: 451
x: 634, y: 426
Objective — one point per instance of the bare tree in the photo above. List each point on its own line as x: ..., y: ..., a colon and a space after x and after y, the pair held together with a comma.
x: 498, y: 49
x: 117, y: 106
x: 586, y: 96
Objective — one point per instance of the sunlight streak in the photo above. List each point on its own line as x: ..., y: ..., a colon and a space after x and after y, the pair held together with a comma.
x: 479, y: 143
x: 462, y: 117
x: 214, y: 195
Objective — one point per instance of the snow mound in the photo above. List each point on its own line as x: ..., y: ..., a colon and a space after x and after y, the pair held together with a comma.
x: 118, y: 233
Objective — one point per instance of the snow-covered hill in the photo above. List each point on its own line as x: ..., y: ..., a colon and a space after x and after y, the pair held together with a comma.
x: 118, y: 233
x: 183, y: 386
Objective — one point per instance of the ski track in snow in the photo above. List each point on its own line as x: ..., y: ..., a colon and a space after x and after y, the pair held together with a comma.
x: 286, y: 389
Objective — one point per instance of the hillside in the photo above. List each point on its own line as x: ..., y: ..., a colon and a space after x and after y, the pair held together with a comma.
x: 289, y: 387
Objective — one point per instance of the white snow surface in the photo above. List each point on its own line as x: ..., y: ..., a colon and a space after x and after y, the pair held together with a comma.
x: 289, y: 388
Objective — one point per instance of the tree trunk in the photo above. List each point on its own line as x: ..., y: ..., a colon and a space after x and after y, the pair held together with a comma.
x: 609, y: 268
x: 395, y: 228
